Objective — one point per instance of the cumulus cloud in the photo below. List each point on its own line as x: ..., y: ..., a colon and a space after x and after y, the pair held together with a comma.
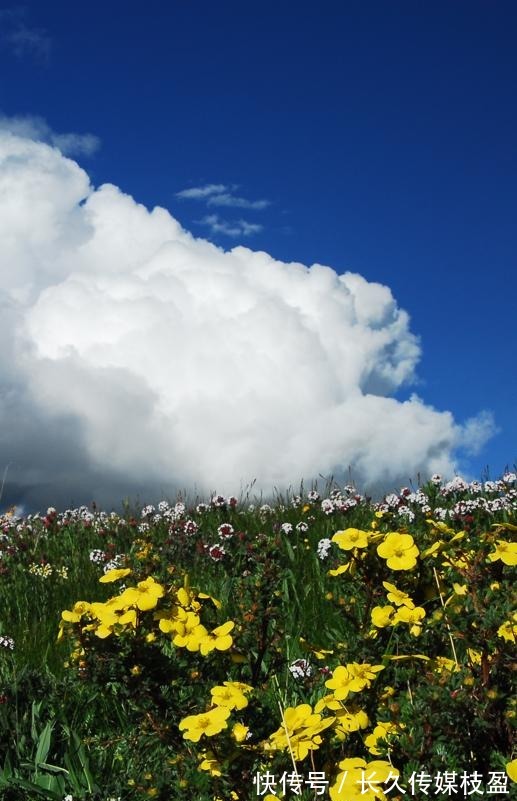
x: 138, y: 359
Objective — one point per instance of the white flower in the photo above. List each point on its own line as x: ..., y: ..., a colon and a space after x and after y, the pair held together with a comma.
x: 405, y: 511
x: 216, y: 552
x: 190, y: 528
x: 324, y: 546
x: 225, y: 531
x: 300, y: 669
x: 392, y: 500
x: 327, y: 506
x: 287, y: 528
x: 179, y: 510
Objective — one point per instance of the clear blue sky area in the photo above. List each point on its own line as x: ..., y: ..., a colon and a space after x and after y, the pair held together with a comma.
x: 383, y: 135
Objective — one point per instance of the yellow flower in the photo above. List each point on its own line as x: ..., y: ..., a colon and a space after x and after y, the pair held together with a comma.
x: 145, y: 595
x: 397, y: 596
x: 115, y: 574
x: 444, y: 664
x: 220, y: 639
x: 80, y: 608
x: 348, y: 721
x: 208, y: 723
x: 215, y: 602
x: 507, y: 631
x: 382, y: 616
x: 474, y: 656
x: 435, y: 548
x: 511, y: 769
x: 361, y: 780
x: 240, y: 732
x: 339, y: 570
x: 410, y: 616
x: 351, y: 538
x: 505, y: 551
x: 210, y: 764
x: 352, y: 678
x: 439, y: 526
x: 382, y: 731
x: 300, y: 731
x: 230, y: 697
x: 399, y: 550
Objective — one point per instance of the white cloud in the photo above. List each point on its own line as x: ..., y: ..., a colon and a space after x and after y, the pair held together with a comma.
x: 227, y: 199
x: 201, y: 192
x: 22, y: 38
x: 234, y: 229
x: 221, y: 195
x: 136, y: 358
x: 33, y: 127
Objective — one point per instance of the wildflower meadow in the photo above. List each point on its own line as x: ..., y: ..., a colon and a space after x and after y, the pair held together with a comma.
x: 319, y: 646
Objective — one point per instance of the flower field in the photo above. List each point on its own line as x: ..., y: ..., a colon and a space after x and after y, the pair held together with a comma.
x: 323, y: 646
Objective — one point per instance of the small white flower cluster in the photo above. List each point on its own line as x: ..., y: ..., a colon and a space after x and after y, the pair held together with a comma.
x: 327, y: 506
x: 7, y: 642
x: 46, y: 570
x: 97, y: 556
x: 324, y: 547
x: 337, y: 502
x: 405, y: 511
x: 114, y: 563
x: 300, y: 669
x: 286, y: 528
x: 179, y: 511
x: 302, y: 527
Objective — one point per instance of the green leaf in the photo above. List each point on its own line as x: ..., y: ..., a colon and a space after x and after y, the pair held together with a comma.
x: 44, y: 743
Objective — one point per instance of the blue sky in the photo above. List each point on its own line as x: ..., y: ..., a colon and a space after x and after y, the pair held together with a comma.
x: 379, y: 136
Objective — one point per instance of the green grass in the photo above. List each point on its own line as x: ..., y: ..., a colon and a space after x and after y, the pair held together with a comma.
x: 103, y: 723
